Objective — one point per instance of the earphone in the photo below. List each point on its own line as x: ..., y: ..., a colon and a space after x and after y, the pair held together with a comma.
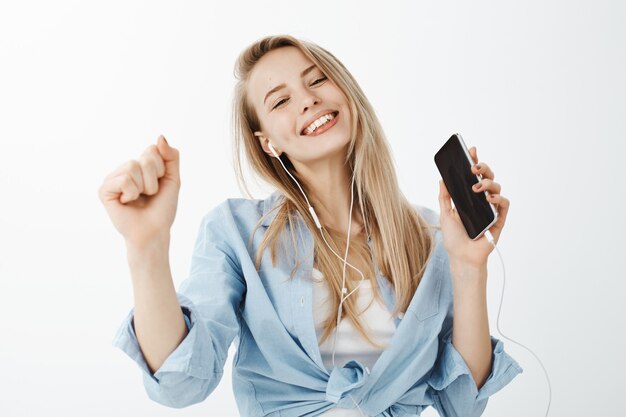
x: 319, y: 226
x: 488, y: 235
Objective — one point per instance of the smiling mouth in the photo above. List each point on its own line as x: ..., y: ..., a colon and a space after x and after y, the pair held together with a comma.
x: 321, y: 129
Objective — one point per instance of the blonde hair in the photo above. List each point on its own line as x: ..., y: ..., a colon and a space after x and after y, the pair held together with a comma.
x: 401, y: 238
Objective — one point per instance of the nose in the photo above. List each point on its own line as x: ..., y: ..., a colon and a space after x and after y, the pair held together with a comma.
x: 309, y: 101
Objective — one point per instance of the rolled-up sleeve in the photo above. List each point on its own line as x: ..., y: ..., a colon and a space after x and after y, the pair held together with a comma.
x: 210, y: 299
x: 455, y: 391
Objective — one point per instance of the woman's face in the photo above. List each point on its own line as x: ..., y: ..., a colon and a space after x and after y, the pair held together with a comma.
x: 286, y: 114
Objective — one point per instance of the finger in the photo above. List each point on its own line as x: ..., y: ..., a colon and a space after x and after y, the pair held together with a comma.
x: 129, y: 182
x: 171, y: 159
x: 444, y: 198
x: 136, y: 173
x: 484, y: 170
x: 487, y: 185
x: 152, y: 153
x: 128, y: 187
x: 473, y: 154
x: 117, y: 182
x: 494, y: 199
x: 503, y: 205
x: 129, y: 166
x: 119, y: 170
x: 149, y: 174
x: 122, y: 188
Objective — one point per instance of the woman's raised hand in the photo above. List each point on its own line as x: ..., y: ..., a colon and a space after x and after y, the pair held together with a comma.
x: 141, y: 196
x: 458, y: 244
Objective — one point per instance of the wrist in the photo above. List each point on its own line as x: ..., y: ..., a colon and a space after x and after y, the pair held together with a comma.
x: 155, y: 243
x: 468, y: 271
x: 155, y: 251
x: 468, y: 266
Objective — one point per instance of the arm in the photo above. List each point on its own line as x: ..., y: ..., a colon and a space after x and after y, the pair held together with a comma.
x: 470, y: 330
x: 467, y: 372
x: 210, y: 299
x: 454, y: 387
x: 158, y: 320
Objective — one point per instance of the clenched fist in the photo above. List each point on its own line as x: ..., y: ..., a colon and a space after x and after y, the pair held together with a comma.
x: 141, y: 196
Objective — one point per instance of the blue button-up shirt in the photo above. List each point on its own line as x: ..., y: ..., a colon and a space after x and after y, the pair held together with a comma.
x: 277, y: 367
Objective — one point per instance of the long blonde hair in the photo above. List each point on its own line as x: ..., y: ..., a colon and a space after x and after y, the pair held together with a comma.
x: 400, y: 236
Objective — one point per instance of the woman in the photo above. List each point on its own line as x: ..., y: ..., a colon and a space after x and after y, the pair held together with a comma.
x: 307, y: 128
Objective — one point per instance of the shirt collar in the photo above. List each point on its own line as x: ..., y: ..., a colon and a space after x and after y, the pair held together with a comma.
x: 271, y: 202
x: 270, y: 208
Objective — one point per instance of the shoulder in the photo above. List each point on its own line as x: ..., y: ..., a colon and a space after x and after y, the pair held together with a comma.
x: 241, y: 213
x: 430, y: 215
x: 432, y: 219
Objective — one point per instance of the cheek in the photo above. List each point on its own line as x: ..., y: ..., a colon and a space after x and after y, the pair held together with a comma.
x: 274, y: 126
x: 343, y: 101
x: 281, y: 129
x: 346, y: 119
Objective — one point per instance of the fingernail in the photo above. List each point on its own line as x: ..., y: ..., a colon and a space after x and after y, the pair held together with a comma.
x: 165, y: 140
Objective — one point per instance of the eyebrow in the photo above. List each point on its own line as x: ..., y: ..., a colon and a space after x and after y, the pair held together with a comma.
x: 283, y: 85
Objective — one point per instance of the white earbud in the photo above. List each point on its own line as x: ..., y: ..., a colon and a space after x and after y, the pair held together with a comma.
x: 272, y: 149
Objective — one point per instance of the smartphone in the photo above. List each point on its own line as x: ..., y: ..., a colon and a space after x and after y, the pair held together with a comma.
x: 455, y: 166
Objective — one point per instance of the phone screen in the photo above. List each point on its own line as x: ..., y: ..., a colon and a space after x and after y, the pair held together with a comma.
x: 455, y: 168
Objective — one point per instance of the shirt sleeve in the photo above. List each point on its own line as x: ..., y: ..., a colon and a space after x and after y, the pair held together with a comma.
x: 209, y: 298
x: 454, y: 390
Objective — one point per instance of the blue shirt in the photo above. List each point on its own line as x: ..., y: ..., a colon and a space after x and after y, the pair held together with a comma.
x: 277, y: 367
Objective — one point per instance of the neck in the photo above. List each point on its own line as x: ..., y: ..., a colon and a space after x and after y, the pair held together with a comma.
x: 329, y: 184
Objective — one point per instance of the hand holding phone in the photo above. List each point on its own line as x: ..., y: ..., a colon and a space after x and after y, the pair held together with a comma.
x: 455, y: 166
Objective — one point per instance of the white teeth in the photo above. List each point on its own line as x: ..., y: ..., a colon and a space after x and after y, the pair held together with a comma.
x: 317, y: 123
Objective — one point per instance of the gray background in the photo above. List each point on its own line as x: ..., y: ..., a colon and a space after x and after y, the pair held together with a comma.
x: 538, y: 86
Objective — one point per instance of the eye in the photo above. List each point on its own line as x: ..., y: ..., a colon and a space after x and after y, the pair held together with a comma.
x: 279, y: 103
x: 320, y: 79
x: 314, y: 83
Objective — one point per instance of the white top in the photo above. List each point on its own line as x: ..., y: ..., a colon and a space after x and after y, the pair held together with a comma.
x: 350, y: 344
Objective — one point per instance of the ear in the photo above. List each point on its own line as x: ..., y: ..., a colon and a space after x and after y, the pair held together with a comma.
x: 264, y: 144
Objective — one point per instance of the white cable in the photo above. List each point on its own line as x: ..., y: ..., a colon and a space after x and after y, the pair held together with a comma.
x: 492, y: 241
x: 344, y: 260
x: 357, y: 406
x: 343, y: 285
x: 287, y: 171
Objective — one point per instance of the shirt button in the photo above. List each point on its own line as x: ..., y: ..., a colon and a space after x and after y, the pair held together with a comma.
x: 302, y: 301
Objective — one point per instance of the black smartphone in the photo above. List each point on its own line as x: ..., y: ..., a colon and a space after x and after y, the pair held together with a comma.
x: 455, y: 166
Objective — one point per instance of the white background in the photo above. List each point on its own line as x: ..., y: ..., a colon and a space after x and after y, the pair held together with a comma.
x: 538, y: 86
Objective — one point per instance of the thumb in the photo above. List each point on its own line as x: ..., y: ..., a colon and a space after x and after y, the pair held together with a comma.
x: 444, y: 198
x: 171, y: 159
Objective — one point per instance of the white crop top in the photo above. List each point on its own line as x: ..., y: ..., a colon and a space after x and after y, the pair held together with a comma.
x: 350, y: 344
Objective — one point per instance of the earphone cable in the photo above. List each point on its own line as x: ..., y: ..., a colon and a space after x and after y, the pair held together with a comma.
x: 344, y: 260
x: 491, y: 240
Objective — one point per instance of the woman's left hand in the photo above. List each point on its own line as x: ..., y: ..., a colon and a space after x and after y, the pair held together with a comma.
x: 461, y: 248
